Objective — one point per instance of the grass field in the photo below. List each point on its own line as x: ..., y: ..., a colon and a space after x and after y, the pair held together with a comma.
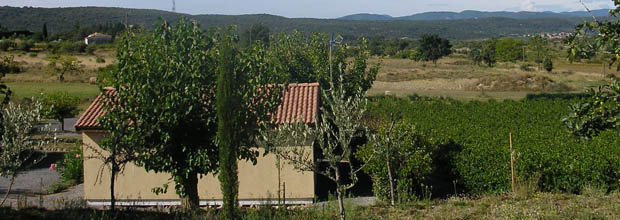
x: 457, y: 78
x: 592, y: 205
x: 85, y: 91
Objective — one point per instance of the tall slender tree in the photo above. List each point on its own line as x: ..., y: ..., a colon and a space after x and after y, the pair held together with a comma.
x: 248, y: 93
x: 228, y: 102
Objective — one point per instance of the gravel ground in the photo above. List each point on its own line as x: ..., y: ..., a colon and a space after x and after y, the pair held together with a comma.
x: 357, y: 201
x: 34, y: 185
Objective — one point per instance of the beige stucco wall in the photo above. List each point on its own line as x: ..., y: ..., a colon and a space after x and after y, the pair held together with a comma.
x: 256, y: 182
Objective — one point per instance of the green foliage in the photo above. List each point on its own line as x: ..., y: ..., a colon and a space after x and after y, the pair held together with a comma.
x: 62, y: 20
x: 8, y: 65
x: 71, y: 168
x: 598, y: 111
x: 71, y: 47
x: 488, y: 52
x: 509, y: 50
x: 17, y: 145
x: 104, y: 74
x: 61, y: 65
x: 526, y: 67
x: 433, y: 47
x: 548, y: 64
x: 607, y: 37
x: 333, y: 134
x: 410, y: 161
x: 60, y: 105
x: 539, y: 47
x: 543, y: 147
x: 164, y: 82
x: 99, y: 60
x: 5, y: 44
x: 306, y: 59
x: 24, y: 45
x: 228, y: 102
x: 257, y: 32
x: 475, y: 54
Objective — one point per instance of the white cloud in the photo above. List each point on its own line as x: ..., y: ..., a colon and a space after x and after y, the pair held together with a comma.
x: 528, y: 5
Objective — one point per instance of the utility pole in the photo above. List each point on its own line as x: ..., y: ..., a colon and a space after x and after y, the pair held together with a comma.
x: 174, y: 8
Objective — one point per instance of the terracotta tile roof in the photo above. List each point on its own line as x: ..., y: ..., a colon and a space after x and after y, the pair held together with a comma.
x: 300, y: 101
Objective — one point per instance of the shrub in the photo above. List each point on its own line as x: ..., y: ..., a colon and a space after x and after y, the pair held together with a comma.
x: 548, y: 64
x: 103, y: 74
x: 410, y: 162
x: 99, y: 60
x: 526, y: 67
x: 5, y: 44
x: 24, y: 45
x: 71, y: 169
x: 90, y: 49
x: 8, y: 65
x: 72, y: 47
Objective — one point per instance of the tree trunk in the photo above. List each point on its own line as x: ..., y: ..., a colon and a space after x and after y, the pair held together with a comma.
x: 62, y: 124
x: 340, y: 194
x: 6, y: 195
x: 190, y: 201
x: 341, y: 205
x: 112, y: 181
x: 113, y: 177
x: 390, y: 176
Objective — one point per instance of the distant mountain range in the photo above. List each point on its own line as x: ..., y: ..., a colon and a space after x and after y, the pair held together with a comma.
x: 426, y: 16
x: 460, y: 26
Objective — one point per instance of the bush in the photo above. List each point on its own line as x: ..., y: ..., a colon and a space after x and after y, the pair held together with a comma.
x: 8, y: 65
x: 71, y: 169
x: 99, y: 60
x: 526, y: 67
x: 5, y: 44
x: 548, y: 64
x: 72, y: 47
x: 410, y: 163
x: 24, y: 45
x: 90, y: 49
x: 103, y: 74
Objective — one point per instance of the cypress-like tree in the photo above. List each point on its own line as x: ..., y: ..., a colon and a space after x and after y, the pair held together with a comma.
x: 45, y: 34
x: 227, y: 105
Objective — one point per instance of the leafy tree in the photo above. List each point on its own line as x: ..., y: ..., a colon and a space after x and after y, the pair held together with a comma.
x: 306, y: 59
x: 60, y: 105
x: 117, y: 142
x: 433, y: 47
x: 475, y: 54
x: 548, y: 64
x: 538, y: 45
x: 17, y: 146
x: 509, y: 50
x: 61, y: 65
x: 488, y: 52
x: 398, y: 160
x: 165, y: 84
x: 600, y: 110
x: 257, y: 32
x: 334, y: 131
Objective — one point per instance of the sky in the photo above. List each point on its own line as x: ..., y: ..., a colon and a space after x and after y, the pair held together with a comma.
x: 324, y: 8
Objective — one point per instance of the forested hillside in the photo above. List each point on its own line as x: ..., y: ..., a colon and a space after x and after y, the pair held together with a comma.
x: 65, y: 19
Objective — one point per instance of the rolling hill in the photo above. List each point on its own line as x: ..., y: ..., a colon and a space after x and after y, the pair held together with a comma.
x: 470, y: 14
x: 65, y: 19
